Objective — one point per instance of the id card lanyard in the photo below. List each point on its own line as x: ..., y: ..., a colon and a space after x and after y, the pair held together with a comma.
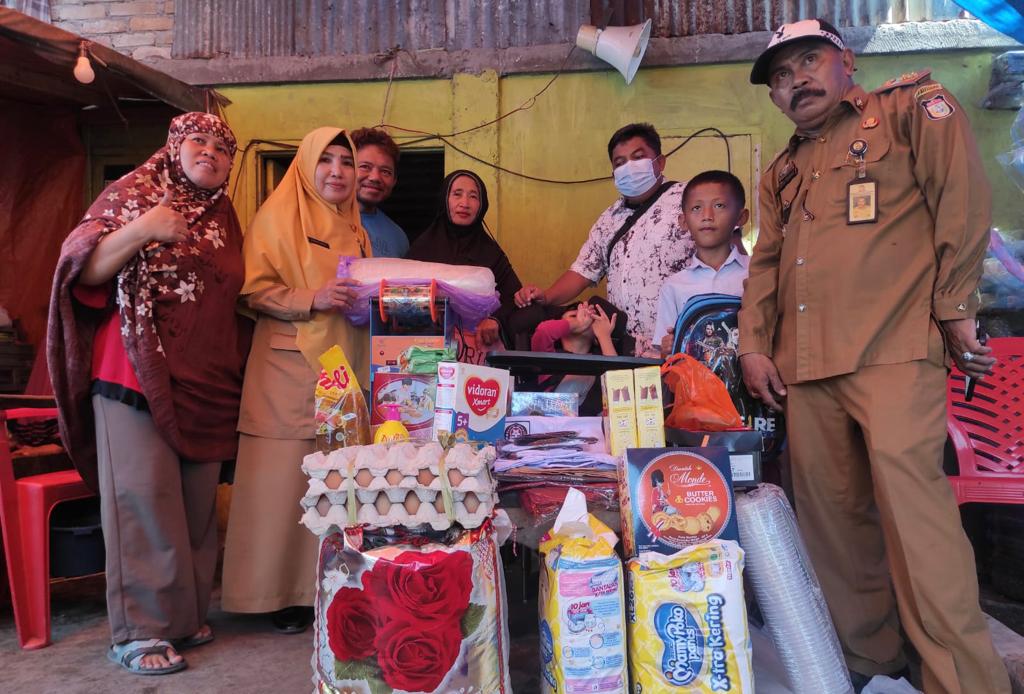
x: 861, y: 192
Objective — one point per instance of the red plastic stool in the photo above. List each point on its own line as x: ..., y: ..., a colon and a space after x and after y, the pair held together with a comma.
x: 25, y: 507
x: 987, y: 433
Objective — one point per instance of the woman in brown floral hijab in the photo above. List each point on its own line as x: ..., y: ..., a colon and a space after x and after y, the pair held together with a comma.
x: 145, y: 351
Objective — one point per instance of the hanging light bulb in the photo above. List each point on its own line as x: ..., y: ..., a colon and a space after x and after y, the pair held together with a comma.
x: 83, y: 68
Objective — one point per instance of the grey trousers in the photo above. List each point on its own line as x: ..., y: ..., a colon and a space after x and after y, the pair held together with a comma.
x: 159, y: 527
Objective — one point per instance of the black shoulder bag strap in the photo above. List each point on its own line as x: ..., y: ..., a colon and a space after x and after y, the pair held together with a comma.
x: 634, y: 218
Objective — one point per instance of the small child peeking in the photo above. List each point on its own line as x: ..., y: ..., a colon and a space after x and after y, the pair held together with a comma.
x: 586, y: 329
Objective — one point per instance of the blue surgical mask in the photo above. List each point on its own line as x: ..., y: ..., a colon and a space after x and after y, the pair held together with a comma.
x: 635, y: 177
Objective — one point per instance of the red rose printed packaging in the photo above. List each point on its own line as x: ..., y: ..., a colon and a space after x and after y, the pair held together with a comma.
x: 471, y: 401
x: 405, y: 618
x: 688, y: 621
x: 582, y: 608
x: 407, y: 484
x: 671, y: 498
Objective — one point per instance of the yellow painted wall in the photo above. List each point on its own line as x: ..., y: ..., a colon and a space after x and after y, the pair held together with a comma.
x: 564, y: 135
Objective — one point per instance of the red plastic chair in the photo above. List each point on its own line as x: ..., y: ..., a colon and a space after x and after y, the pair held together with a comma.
x: 25, y: 506
x: 987, y: 433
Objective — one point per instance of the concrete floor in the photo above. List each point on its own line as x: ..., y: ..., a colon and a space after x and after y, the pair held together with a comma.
x: 246, y: 656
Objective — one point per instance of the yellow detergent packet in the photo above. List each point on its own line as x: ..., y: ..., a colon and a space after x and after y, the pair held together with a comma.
x: 341, y: 416
x: 688, y: 621
x: 582, y: 605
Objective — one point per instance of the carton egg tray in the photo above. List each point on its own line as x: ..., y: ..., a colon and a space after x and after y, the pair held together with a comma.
x: 401, y: 484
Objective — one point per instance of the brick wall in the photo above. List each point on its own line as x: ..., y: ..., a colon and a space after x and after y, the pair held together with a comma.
x: 141, y: 29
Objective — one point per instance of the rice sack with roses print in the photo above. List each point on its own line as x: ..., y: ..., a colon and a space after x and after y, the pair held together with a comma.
x: 412, y: 615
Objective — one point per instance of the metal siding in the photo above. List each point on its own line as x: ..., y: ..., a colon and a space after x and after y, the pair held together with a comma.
x: 268, y: 28
x: 695, y: 17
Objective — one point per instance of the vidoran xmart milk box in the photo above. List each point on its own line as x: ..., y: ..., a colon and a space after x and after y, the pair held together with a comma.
x: 471, y: 401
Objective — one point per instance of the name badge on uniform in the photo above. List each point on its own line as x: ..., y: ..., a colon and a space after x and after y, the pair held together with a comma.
x: 861, y: 201
x: 861, y: 192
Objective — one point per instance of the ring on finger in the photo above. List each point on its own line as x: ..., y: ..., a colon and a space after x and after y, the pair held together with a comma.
x: 968, y: 356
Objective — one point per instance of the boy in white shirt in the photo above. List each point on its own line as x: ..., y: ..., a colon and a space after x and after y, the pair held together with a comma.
x: 714, y: 208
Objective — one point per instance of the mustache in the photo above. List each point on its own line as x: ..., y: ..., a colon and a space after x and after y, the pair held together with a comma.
x: 803, y: 94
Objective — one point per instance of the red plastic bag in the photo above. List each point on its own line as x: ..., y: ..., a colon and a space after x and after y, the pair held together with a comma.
x: 701, y: 401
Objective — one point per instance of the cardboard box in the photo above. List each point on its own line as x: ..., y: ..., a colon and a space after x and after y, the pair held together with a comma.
x: 671, y: 498
x: 745, y: 449
x: 619, y: 410
x: 650, y: 414
x: 413, y: 393
x: 471, y: 401
x: 387, y: 350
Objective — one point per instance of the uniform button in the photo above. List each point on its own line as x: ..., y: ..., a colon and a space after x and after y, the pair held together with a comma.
x: 816, y: 175
x: 807, y: 216
x: 801, y: 308
x: 799, y: 261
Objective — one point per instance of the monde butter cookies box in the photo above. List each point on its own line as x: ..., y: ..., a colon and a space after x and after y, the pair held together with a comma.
x: 672, y: 498
x: 471, y: 401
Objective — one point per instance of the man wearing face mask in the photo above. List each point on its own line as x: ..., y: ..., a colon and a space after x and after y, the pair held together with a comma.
x: 874, y: 226
x: 636, y: 242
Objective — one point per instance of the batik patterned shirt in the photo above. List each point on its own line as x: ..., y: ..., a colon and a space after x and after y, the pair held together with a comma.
x: 653, y: 249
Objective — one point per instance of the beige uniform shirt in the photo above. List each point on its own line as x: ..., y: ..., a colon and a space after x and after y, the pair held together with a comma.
x: 825, y: 297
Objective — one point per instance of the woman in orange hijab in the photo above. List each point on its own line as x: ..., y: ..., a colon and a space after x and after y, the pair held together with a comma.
x: 291, y: 257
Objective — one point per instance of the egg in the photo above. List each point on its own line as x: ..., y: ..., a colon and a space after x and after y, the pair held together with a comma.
x: 323, y: 505
x: 455, y: 477
x: 412, y: 503
x: 394, y: 477
x: 382, y: 504
x: 439, y: 504
x: 333, y: 479
x: 364, y: 477
x: 471, y: 502
x: 425, y: 477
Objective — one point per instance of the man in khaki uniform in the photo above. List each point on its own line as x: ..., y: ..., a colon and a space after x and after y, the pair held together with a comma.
x: 874, y: 224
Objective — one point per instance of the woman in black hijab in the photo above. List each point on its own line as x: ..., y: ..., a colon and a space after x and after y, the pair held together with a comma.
x: 458, y: 236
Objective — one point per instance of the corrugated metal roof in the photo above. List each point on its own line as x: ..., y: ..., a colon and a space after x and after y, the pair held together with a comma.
x: 258, y: 28
x: 695, y: 17
x: 268, y: 28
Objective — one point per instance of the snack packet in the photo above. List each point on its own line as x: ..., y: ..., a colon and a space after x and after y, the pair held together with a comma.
x: 341, y: 416
x: 582, y: 627
x: 688, y: 621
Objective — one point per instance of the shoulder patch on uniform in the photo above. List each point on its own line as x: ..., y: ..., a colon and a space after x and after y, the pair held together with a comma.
x: 926, y: 89
x: 938, y: 107
x: 904, y: 80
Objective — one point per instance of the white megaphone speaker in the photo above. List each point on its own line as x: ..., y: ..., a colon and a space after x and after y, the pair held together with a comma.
x: 621, y: 47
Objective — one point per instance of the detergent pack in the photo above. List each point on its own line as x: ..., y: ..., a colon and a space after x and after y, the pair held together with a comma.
x: 672, y: 498
x: 688, y: 621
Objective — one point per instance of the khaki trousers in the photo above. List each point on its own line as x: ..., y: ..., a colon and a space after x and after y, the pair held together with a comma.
x: 269, y: 558
x: 159, y: 526
x: 866, y: 454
